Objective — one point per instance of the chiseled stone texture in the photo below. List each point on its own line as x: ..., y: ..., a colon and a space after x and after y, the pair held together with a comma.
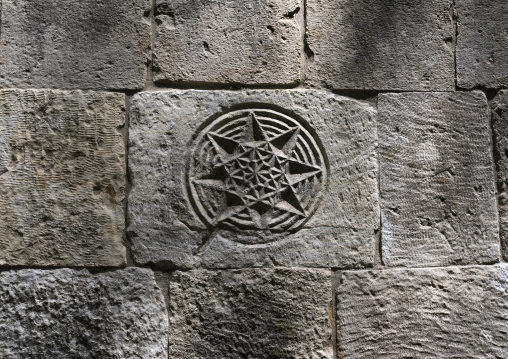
x: 379, y: 45
x: 482, y: 43
x: 500, y: 126
x: 251, y: 313
x: 437, y: 180
x: 62, y: 178
x: 85, y: 44
x: 165, y: 230
x: 66, y: 313
x: 224, y: 41
x: 455, y: 312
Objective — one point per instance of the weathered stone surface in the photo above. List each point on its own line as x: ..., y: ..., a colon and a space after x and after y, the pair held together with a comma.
x: 457, y: 312
x: 82, y: 44
x: 500, y: 126
x: 168, y: 224
x: 437, y: 179
x: 482, y: 43
x: 72, y: 314
x: 246, y: 42
x: 372, y: 44
x: 251, y: 313
x: 62, y: 178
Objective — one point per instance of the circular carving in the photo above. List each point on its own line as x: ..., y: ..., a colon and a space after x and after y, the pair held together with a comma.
x: 255, y: 169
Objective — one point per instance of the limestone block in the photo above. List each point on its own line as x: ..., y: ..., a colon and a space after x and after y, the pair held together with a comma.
x: 251, y: 313
x: 66, y: 313
x: 455, y: 312
x: 482, y: 43
x: 500, y: 126
x: 62, y: 178
x: 438, y: 197
x: 224, y: 41
x: 375, y: 45
x: 252, y: 178
x: 85, y: 44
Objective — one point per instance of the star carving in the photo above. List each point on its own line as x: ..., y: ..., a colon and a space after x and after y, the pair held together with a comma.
x: 257, y: 175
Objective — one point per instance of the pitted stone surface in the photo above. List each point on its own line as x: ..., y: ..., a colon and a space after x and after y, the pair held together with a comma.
x: 251, y: 313
x: 166, y: 128
x: 62, y: 178
x: 455, y: 312
x: 500, y: 126
x: 85, y: 44
x: 72, y: 314
x: 372, y: 44
x: 246, y: 42
x: 482, y: 43
x: 437, y: 180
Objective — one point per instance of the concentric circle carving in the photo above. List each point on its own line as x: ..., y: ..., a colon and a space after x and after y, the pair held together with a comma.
x: 255, y: 169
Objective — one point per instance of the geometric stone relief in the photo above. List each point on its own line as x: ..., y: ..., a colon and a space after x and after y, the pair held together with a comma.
x: 256, y: 178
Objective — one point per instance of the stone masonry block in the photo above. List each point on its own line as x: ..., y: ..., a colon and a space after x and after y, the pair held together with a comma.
x: 455, y: 312
x: 500, y: 126
x: 85, y: 44
x: 438, y: 197
x: 66, y: 313
x: 223, y: 41
x: 62, y: 178
x: 380, y: 45
x: 482, y: 43
x: 251, y: 313
x: 253, y: 178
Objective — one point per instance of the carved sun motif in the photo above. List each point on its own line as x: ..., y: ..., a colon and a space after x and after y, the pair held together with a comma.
x: 254, y: 178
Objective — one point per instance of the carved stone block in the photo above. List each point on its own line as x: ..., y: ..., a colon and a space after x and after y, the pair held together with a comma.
x: 85, y: 44
x: 455, y: 312
x: 500, y: 126
x: 244, y: 42
x: 375, y: 45
x: 72, y: 314
x: 62, y: 178
x: 251, y: 313
x: 482, y: 43
x: 253, y: 178
x: 437, y: 179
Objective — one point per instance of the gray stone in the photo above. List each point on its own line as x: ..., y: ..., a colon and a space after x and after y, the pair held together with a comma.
x: 455, y: 312
x: 66, y: 313
x: 482, y: 43
x: 86, y: 44
x: 251, y: 313
x: 437, y: 187
x: 245, y: 42
x: 500, y: 126
x: 372, y: 44
x: 62, y: 178
x: 171, y: 155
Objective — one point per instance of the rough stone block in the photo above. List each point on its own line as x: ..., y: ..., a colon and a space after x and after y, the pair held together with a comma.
x: 85, y: 44
x: 251, y: 313
x: 438, y: 197
x: 482, y: 43
x: 500, y: 126
x: 245, y: 42
x: 252, y: 178
x: 66, y: 313
x: 62, y: 178
x: 372, y: 44
x: 455, y: 312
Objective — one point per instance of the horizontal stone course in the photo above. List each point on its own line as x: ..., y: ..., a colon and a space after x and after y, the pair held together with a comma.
x: 66, y: 313
x: 454, y: 312
x: 62, y: 178
x: 437, y: 187
x: 251, y: 313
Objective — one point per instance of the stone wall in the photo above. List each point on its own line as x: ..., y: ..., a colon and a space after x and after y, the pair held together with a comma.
x: 253, y: 179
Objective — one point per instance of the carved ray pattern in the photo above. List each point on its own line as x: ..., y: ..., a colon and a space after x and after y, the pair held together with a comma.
x: 261, y: 170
